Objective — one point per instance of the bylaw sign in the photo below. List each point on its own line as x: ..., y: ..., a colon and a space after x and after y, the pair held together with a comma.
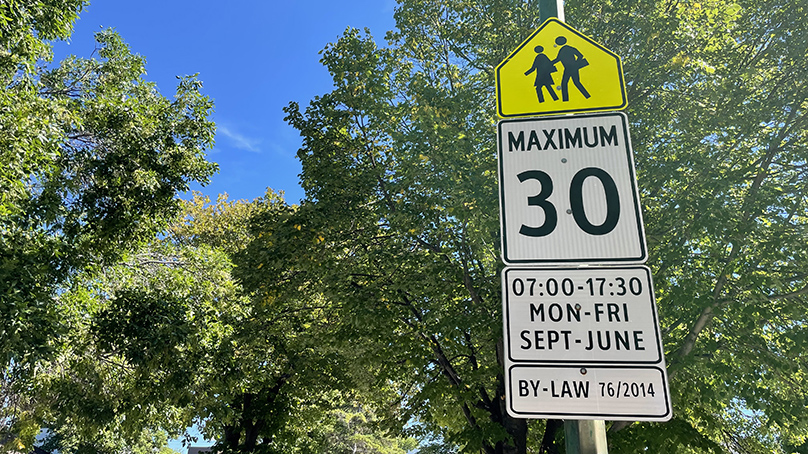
x: 616, y: 393
x: 583, y: 343
x: 568, y: 191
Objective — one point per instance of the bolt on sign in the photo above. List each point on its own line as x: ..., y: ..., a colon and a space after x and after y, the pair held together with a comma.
x: 559, y: 70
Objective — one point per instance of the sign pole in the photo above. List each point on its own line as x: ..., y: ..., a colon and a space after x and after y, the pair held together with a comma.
x: 585, y: 437
x: 551, y: 8
x: 582, y: 436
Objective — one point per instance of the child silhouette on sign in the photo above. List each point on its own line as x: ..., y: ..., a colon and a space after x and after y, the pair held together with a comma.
x: 573, y: 61
x: 544, y: 69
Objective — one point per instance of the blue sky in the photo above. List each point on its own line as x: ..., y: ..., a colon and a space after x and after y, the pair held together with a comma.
x: 253, y: 58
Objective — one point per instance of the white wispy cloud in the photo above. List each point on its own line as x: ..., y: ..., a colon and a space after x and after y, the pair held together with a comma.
x: 239, y: 140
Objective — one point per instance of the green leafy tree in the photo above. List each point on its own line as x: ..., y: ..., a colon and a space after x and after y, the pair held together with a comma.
x: 92, y: 158
x: 26, y: 26
x: 64, y: 440
x: 166, y: 338
x: 399, y: 173
x: 278, y: 382
x: 280, y: 377
x: 149, y: 339
x: 352, y: 431
x: 399, y: 225
x: 717, y: 103
x: 383, y: 287
x: 144, y: 341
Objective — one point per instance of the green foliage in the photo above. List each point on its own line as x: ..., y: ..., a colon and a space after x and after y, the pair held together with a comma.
x: 223, y: 225
x: 398, y: 228
x: 25, y: 28
x: 399, y: 224
x: 64, y: 440
x: 92, y: 158
x: 279, y: 374
x: 371, y: 313
x: 144, y: 339
x: 353, y: 431
x: 719, y: 130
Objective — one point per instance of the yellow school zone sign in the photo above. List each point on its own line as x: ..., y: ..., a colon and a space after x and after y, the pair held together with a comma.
x: 559, y: 70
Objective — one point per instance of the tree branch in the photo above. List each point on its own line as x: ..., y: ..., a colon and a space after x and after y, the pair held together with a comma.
x: 794, y: 294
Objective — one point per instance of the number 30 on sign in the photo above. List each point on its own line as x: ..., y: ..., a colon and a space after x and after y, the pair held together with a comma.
x: 568, y: 191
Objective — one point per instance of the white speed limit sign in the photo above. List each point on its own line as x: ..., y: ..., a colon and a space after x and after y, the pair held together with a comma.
x: 568, y: 191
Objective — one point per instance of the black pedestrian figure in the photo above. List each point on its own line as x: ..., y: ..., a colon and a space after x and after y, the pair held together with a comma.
x: 573, y: 61
x: 544, y: 74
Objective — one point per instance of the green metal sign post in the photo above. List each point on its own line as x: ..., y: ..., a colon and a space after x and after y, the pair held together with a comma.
x: 585, y: 437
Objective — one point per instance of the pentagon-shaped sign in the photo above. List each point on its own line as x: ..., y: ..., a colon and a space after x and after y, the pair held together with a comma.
x: 559, y: 70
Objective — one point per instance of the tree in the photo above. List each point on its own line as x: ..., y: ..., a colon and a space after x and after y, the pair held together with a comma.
x: 723, y: 188
x: 92, y: 159
x: 148, y: 342
x: 167, y: 338
x: 144, y: 340
x: 398, y: 166
x: 381, y: 290
x: 354, y: 433
x: 65, y: 440
x: 114, y: 331
x: 399, y: 226
x: 283, y: 382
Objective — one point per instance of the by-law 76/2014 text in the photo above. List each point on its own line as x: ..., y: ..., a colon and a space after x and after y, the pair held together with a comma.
x: 580, y: 389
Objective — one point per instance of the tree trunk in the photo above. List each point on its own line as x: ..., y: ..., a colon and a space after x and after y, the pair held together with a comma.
x: 231, y: 437
x: 516, y: 427
x: 548, y: 444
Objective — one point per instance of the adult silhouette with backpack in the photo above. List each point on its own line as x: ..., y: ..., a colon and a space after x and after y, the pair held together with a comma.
x: 544, y: 69
x: 573, y: 61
